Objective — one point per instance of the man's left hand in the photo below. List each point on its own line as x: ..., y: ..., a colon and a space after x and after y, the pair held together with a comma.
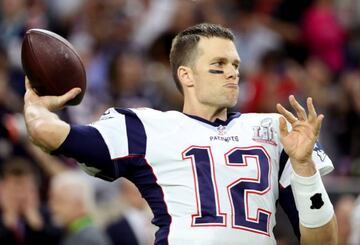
x: 300, y: 141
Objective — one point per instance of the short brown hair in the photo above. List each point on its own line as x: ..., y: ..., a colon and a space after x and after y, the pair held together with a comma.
x: 183, y: 48
x: 17, y: 166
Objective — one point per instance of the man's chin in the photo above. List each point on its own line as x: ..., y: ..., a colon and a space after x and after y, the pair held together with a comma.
x: 232, y: 100
x: 231, y: 104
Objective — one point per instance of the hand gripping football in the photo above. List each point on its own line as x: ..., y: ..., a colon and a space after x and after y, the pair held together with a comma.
x: 52, y: 64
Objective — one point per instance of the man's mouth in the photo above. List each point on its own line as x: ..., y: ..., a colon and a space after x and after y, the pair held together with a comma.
x: 231, y: 85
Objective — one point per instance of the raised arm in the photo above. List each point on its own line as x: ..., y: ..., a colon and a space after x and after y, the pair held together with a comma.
x: 45, y: 128
x: 317, y: 220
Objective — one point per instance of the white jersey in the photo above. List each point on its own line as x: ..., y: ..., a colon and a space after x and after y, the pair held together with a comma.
x: 206, y: 182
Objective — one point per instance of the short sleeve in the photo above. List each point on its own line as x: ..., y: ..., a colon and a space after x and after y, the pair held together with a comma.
x: 322, y: 162
x: 123, y: 133
x: 108, y: 148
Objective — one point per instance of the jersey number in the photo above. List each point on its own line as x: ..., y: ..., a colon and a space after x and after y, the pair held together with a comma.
x: 240, y: 191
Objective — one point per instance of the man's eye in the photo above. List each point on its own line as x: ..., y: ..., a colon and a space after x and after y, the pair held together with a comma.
x: 218, y: 63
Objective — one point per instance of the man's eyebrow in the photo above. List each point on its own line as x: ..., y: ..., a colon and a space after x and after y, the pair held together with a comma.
x: 236, y: 61
x: 218, y: 58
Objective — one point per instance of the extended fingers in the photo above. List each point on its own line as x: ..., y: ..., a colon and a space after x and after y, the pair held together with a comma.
x: 318, y: 124
x: 311, y: 110
x: 287, y: 114
x: 300, y: 111
x: 312, y: 116
x: 283, y: 127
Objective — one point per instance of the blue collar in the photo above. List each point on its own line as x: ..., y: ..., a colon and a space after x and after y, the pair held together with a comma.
x: 217, y: 122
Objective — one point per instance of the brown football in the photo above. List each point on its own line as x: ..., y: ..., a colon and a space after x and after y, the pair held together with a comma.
x: 52, y: 64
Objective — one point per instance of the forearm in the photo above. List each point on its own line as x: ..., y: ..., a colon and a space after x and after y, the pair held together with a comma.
x: 318, y: 222
x: 326, y: 234
x: 45, y: 128
x: 305, y: 169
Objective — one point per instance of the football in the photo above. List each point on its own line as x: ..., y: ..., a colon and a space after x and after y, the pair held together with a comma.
x: 52, y: 64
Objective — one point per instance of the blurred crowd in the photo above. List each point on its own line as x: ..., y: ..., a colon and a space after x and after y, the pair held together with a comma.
x: 305, y: 48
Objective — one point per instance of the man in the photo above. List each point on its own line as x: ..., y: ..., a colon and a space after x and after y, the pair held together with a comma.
x: 24, y: 219
x: 209, y: 176
x: 132, y: 225
x: 72, y: 201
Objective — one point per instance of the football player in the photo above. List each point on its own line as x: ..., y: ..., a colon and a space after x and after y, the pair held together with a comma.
x: 209, y: 176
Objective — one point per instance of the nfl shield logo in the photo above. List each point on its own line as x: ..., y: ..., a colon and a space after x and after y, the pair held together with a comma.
x: 221, y: 130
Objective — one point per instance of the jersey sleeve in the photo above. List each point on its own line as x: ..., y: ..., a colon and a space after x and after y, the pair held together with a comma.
x: 123, y: 133
x: 108, y: 148
x: 322, y: 163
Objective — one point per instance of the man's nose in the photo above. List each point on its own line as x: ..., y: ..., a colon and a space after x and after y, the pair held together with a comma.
x: 231, y: 72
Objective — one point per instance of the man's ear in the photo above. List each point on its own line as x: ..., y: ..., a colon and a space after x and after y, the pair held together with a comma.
x: 185, y: 76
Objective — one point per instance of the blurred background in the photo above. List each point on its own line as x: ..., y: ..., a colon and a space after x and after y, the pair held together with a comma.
x: 305, y: 48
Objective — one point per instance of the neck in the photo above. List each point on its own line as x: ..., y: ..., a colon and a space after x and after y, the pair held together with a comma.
x: 207, y: 112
